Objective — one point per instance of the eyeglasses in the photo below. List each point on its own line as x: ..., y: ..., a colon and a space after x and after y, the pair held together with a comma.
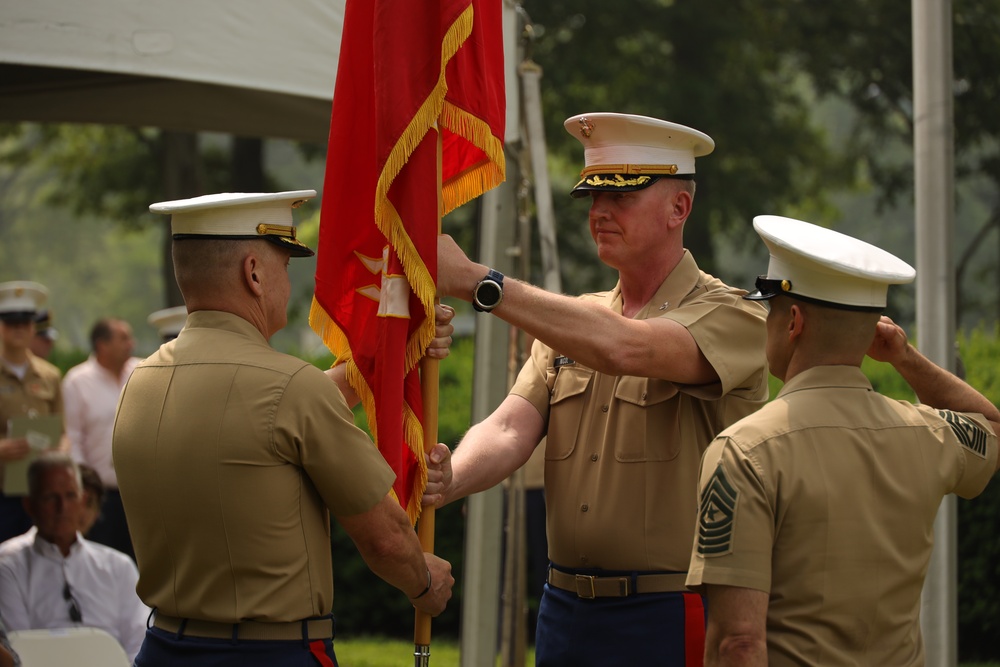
x: 75, y: 614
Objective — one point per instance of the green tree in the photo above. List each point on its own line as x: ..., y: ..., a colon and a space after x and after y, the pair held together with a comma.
x: 113, y: 173
x: 804, y: 99
x: 699, y: 64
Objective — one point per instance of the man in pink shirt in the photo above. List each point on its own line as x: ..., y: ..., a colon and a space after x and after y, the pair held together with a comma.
x: 90, y: 393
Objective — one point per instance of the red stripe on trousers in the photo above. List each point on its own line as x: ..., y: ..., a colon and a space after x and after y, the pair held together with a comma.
x: 694, y: 630
x: 319, y: 652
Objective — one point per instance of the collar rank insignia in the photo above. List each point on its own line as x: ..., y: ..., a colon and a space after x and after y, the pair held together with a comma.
x: 716, y: 514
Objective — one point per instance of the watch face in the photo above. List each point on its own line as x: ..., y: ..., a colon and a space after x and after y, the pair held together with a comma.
x: 488, y: 293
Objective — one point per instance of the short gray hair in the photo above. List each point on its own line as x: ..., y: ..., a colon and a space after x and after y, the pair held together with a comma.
x: 46, y: 461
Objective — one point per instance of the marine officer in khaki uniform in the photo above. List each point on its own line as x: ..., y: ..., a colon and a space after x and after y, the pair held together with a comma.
x: 231, y: 457
x: 816, y: 520
x: 29, y: 386
x: 629, y: 386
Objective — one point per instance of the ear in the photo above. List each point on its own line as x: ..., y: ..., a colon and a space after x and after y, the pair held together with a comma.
x: 682, y: 203
x: 251, y: 268
x: 796, y: 322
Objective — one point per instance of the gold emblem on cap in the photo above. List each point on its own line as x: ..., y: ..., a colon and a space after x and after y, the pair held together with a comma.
x: 786, y: 286
x: 586, y: 126
x: 18, y: 291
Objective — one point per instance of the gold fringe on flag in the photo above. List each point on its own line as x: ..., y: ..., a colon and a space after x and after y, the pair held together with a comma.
x: 457, y: 191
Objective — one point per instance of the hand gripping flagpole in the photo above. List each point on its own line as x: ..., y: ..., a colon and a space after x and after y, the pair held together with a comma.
x: 429, y: 386
x: 425, y: 526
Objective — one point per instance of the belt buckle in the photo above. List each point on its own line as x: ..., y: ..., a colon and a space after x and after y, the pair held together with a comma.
x: 585, y: 586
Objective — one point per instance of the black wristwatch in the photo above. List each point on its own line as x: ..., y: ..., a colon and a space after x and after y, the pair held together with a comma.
x: 488, y: 292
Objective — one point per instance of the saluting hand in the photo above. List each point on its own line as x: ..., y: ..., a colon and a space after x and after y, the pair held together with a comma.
x: 890, y: 343
x: 438, y: 476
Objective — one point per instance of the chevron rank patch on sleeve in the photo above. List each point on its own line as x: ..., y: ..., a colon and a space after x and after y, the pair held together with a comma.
x: 716, y: 515
x: 968, y: 432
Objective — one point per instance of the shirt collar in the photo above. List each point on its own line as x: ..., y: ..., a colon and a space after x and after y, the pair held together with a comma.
x: 669, y: 295
x: 827, y: 376
x: 47, y: 549
x: 217, y: 319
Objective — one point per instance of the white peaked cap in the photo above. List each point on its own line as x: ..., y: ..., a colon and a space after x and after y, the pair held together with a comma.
x: 22, y: 296
x: 169, y: 321
x: 821, y: 264
x: 625, y: 152
x: 239, y: 215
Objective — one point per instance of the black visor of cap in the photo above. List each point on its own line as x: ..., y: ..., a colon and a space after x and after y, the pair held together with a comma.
x: 768, y: 288
x: 19, y: 317
x: 293, y: 246
x: 612, y: 183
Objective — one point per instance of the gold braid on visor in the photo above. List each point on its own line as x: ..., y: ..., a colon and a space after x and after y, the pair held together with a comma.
x: 658, y: 169
x: 276, y: 230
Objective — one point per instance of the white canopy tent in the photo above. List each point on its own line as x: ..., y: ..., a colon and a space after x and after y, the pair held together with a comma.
x: 246, y: 67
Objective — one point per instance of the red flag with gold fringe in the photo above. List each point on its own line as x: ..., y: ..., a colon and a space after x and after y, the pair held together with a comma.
x: 406, y: 70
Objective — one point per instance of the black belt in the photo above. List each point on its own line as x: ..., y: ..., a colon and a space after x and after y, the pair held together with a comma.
x: 318, y: 628
x: 589, y: 587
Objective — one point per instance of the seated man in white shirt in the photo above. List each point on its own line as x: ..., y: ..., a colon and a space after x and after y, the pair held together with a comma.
x: 59, y: 579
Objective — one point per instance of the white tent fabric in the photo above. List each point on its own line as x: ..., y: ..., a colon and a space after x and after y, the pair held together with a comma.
x: 248, y: 67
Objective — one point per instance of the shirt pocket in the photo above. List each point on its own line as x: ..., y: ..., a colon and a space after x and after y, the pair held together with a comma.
x: 41, y: 391
x: 566, y: 410
x: 647, y: 426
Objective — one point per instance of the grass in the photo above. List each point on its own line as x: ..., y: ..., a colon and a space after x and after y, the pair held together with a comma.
x: 379, y: 652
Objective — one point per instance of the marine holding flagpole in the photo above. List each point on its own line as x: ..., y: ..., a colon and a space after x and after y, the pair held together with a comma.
x: 232, y: 457
x: 628, y: 387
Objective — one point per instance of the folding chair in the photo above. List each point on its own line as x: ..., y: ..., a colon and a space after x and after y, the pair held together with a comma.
x: 80, y: 647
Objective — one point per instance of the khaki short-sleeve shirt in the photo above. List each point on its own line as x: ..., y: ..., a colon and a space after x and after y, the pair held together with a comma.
x: 39, y: 393
x: 826, y: 499
x: 622, y: 453
x: 229, y: 455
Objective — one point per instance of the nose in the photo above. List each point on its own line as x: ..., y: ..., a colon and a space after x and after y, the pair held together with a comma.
x: 598, y: 204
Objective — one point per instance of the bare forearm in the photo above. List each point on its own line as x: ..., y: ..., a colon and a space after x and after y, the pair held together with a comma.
x: 736, y: 652
x: 479, y: 464
x: 735, y: 635
x: 388, y: 545
x: 938, y: 388
x: 400, y: 563
x: 601, y: 338
x: 621, y: 346
x: 587, y: 332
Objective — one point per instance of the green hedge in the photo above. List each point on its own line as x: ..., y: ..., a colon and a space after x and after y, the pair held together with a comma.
x: 978, y: 528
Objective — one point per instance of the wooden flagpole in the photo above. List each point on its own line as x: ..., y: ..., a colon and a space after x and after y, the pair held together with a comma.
x: 429, y: 387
